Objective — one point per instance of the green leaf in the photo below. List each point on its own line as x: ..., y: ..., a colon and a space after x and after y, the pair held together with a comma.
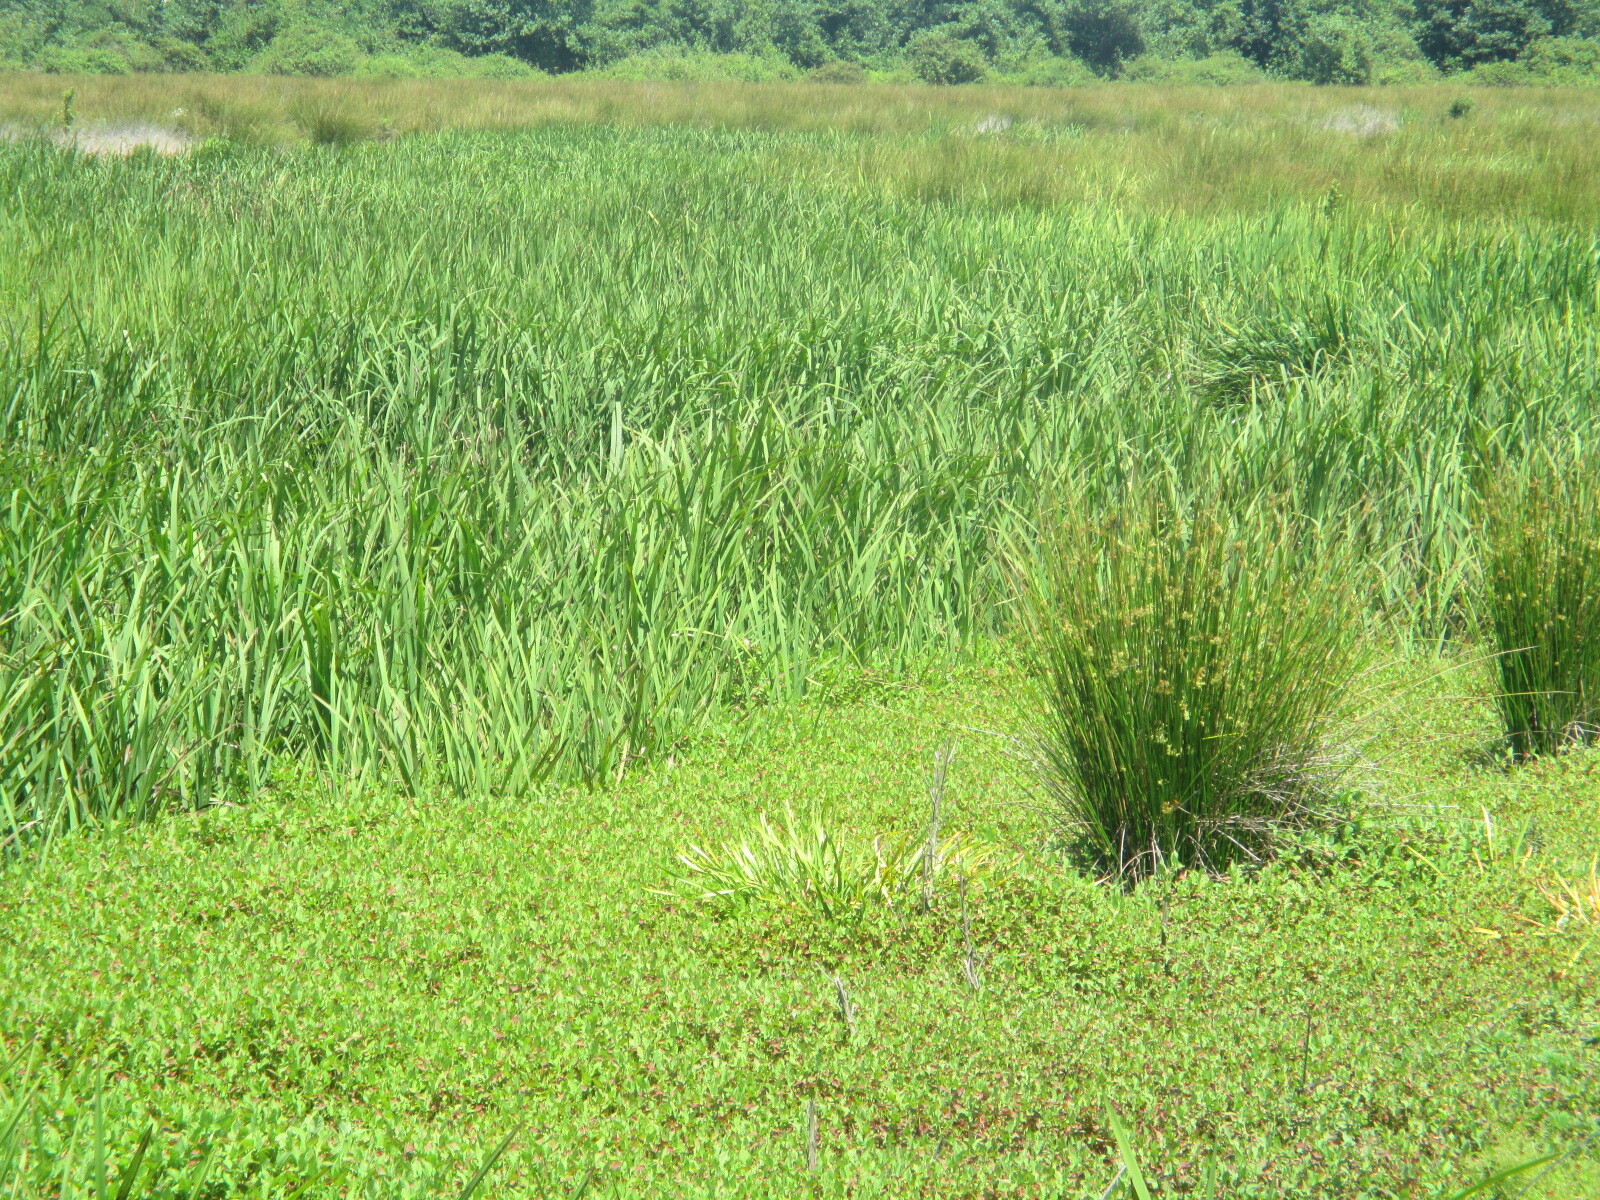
x: 130, y: 1173
x: 1499, y: 1177
x: 1125, y: 1149
x: 472, y: 1184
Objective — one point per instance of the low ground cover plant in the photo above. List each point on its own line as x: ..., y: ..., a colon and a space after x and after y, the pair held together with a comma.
x: 58, y: 1140
x: 475, y: 966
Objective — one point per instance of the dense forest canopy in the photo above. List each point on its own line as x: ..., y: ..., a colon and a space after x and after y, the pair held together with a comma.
x: 941, y: 41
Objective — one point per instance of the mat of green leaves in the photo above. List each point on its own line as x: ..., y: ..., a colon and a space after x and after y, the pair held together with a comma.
x: 439, y: 535
x: 371, y: 990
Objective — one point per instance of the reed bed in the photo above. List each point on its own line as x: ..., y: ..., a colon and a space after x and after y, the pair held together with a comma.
x: 487, y: 458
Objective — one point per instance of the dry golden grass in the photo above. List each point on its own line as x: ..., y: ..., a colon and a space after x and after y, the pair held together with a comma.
x: 429, y: 105
x: 1522, y: 153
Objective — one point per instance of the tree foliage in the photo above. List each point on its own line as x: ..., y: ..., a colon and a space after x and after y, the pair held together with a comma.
x: 1464, y: 33
x: 1325, y: 41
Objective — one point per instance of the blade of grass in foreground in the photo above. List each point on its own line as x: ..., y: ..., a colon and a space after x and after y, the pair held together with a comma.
x: 1500, y: 1177
x: 485, y: 1167
x: 1130, y: 1160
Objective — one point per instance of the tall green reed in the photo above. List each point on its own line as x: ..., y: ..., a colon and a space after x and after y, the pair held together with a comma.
x: 1194, y: 667
x: 387, y: 457
x: 1541, y: 548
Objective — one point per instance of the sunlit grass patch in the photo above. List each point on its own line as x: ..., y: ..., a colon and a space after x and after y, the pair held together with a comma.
x: 324, y: 452
x: 1574, y: 903
x: 803, y: 864
x: 553, y: 493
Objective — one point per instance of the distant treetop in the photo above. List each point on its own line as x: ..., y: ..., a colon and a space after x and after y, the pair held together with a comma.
x: 937, y: 41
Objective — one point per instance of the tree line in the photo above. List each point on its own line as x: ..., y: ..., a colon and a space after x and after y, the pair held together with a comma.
x: 940, y: 41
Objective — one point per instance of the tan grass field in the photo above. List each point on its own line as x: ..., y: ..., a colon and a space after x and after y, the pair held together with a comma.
x: 1441, y: 151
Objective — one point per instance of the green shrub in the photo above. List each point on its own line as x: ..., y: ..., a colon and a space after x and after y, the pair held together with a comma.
x: 673, y: 65
x: 1193, y: 671
x: 241, y: 37
x: 1227, y: 67
x: 838, y: 71
x: 388, y: 66
x: 176, y: 55
x: 1336, y: 50
x: 1498, y: 74
x: 438, y: 62
x: 1548, y: 62
x: 941, y: 58
x: 1563, y: 60
x: 1410, y: 72
x: 83, y: 60
x: 307, y: 50
x: 500, y: 66
x: 1054, y: 71
x: 1397, y: 60
x: 1541, y: 537
x: 115, y: 51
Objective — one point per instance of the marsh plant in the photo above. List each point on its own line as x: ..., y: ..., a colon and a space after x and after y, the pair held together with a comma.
x: 1541, y: 538
x: 1194, y: 670
x: 802, y: 863
x: 280, y: 485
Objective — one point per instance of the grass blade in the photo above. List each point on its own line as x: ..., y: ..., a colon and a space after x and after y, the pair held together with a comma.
x: 484, y: 1167
x: 1129, y: 1159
